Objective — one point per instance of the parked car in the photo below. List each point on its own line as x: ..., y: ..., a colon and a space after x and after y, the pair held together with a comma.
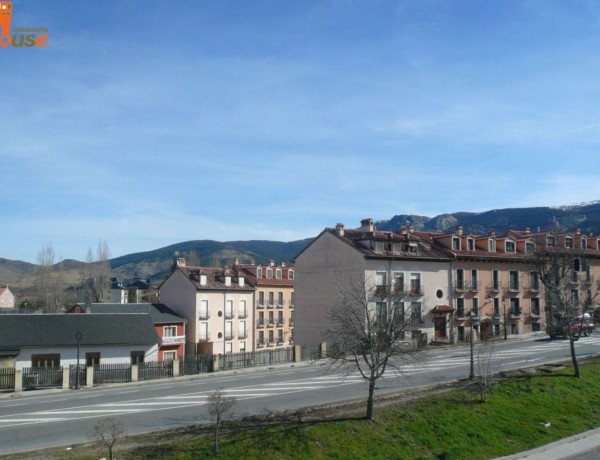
x: 583, y: 325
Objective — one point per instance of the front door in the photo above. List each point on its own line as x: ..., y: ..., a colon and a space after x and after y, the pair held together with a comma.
x: 439, y: 326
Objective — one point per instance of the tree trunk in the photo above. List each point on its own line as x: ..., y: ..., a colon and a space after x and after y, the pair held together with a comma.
x: 371, y: 400
x: 576, y: 371
x: 217, y: 434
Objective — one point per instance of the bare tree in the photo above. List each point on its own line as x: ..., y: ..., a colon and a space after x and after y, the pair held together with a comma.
x: 218, y: 405
x: 192, y: 259
x: 95, y: 274
x: 487, y: 369
x: 569, y: 293
x: 107, y: 433
x: 367, y: 330
x: 49, y: 282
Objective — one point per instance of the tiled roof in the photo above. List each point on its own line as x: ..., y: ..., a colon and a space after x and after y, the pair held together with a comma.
x: 248, y: 270
x: 215, y: 278
x: 159, y: 312
x: 58, y: 330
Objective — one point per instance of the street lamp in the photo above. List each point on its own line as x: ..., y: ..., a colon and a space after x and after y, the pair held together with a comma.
x: 472, y: 373
x: 505, y: 320
x: 78, y: 337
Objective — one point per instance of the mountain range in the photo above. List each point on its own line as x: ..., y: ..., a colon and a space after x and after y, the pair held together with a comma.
x: 157, y: 263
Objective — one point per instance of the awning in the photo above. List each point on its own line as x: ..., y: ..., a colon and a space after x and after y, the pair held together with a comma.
x: 442, y: 309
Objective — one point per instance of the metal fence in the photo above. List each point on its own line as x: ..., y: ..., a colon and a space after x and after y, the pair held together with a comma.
x: 73, y: 382
x: 255, y: 358
x: 311, y: 353
x: 41, y: 377
x: 7, y: 379
x: 196, y: 364
x: 155, y: 370
x: 112, y: 373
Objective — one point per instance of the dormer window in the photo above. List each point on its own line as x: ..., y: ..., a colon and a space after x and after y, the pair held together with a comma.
x: 259, y: 272
x: 550, y: 241
x: 470, y: 244
x: 412, y: 248
x: 278, y: 273
x: 290, y: 274
x: 510, y: 246
x: 529, y: 247
x: 202, y: 280
x: 396, y: 248
x: 491, y: 245
x: 569, y: 242
x: 269, y: 273
x: 456, y: 243
x: 378, y: 247
x: 583, y: 243
x: 227, y: 280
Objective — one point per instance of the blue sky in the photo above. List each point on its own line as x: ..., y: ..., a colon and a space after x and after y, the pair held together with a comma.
x: 147, y: 123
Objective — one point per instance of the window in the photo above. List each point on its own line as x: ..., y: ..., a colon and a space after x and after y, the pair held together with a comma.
x: 397, y: 248
x: 280, y: 336
x: 242, y: 330
x: 474, y: 280
x: 460, y: 307
x: 242, y: 347
x: 492, y: 245
x: 496, y: 306
x: 280, y: 318
x: 475, y: 306
x: 280, y: 299
x: 415, y: 312
x: 380, y: 279
x: 261, y: 318
x: 137, y: 357
x: 399, y: 312
x: 515, y: 306
x: 228, y: 347
x: 269, y: 273
x: 45, y: 360
x: 569, y: 242
x: 291, y: 299
x: 460, y: 279
x: 495, y: 280
x: 577, y: 264
x: 169, y: 355
x: 535, y: 306
x: 529, y: 247
x: 261, y: 338
x: 415, y: 283
x: 259, y: 272
x: 536, y: 327
x: 470, y: 244
x: 243, y: 311
x: 575, y: 297
x: 229, y: 330
x: 261, y: 298
x: 203, y: 336
x: 271, y: 298
x: 534, y: 281
x: 204, y: 309
x: 583, y: 243
x: 456, y: 243
x: 461, y: 333
x: 513, y: 280
x: 229, y: 309
x: 271, y: 337
x: 278, y: 273
x: 496, y: 330
x: 381, y: 312
x: 170, y: 331
x: 510, y: 246
x: 550, y: 242
x: 378, y: 246
x: 290, y: 274
x: 398, y: 281
x: 92, y: 359
x: 271, y: 318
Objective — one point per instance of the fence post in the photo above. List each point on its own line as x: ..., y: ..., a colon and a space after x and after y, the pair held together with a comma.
x: 215, y: 363
x: 323, y: 350
x: 176, y: 369
x: 66, y: 375
x: 89, y: 376
x: 297, y: 353
x: 18, y: 380
x: 134, y: 372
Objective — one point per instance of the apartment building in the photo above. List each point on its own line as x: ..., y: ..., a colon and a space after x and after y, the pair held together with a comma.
x: 418, y: 271
x: 274, y: 303
x: 218, y: 306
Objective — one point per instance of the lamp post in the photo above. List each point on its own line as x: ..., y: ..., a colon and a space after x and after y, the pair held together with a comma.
x: 78, y: 337
x: 505, y: 320
x: 472, y: 373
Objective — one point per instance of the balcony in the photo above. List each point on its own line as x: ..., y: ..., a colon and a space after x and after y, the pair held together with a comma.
x: 204, y: 315
x: 534, y: 287
x: 416, y: 289
x: 242, y: 314
x: 271, y: 342
x: 229, y: 335
x: 260, y: 323
x: 172, y: 339
x: 460, y: 285
x: 494, y: 287
x: 271, y: 323
x: 271, y: 304
x: 513, y: 286
x: 280, y: 341
x: 535, y: 314
x: 260, y: 304
x: 229, y: 314
x: 475, y: 286
x: 260, y: 343
x: 204, y: 337
x: 280, y: 304
x: 242, y: 335
x: 280, y: 322
x: 515, y: 313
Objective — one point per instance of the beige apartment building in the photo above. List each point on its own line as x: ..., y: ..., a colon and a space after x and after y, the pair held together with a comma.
x: 273, y: 303
x: 218, y: 306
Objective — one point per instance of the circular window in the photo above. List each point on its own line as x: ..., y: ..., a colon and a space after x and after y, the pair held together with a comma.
x: 219, y: 334
x: 439, y: 293
x: 220, y: 313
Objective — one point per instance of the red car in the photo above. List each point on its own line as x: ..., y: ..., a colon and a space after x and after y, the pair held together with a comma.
x: 582, y: 325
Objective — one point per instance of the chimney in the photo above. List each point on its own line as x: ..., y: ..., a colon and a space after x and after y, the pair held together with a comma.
x: 459, y: 230
x: 577, y: 231
x: 271, y: 262
x: 236, y: 262
x: 366, y: 225
x: 202, y: 280
x: 282, y: 264
x: 403, y: 230
x: 591, y: 235
x: 181, y: 261
x: 241, y: 281
x: 526, y: 229
x: 340, y: 228
x: 411, y: 229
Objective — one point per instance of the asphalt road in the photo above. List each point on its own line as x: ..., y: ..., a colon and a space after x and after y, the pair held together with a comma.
x: 33, y: 421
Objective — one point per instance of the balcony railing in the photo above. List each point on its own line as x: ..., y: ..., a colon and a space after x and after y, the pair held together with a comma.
x: 515, y: 313
x: 461, y: 313
x: 271, y: 304
x: 204, y: 315
x: 260, y: 343
x: 291, y: 322
x: 173, y: 339
x: 229, y: 336
x: 260, y: 323
x: 291, y: 305
x: 475, y: 285
x: 204, y: 337
x: 271, y: 323
x: 416, y: 289
x: 494, y: 286
x: 242, y: 335
x: 280, y: 322
x: 280, y: 304
x: 280, y: 341
x: 242, y: 314
x: 513, y: 286
x: 535, y: 286
x: 535, y: 314
x: 228, y: 314
x: 574, y: 278
x: 260, y: 304
x: 460, y: 285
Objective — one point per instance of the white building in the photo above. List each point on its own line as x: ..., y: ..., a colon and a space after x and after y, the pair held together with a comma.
x: 402, y: 260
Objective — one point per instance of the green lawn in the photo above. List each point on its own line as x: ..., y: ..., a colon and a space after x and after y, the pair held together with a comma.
x: 452, y: 425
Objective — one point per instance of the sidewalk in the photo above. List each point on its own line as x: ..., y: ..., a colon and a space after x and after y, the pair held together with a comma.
x: 583, y: 444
